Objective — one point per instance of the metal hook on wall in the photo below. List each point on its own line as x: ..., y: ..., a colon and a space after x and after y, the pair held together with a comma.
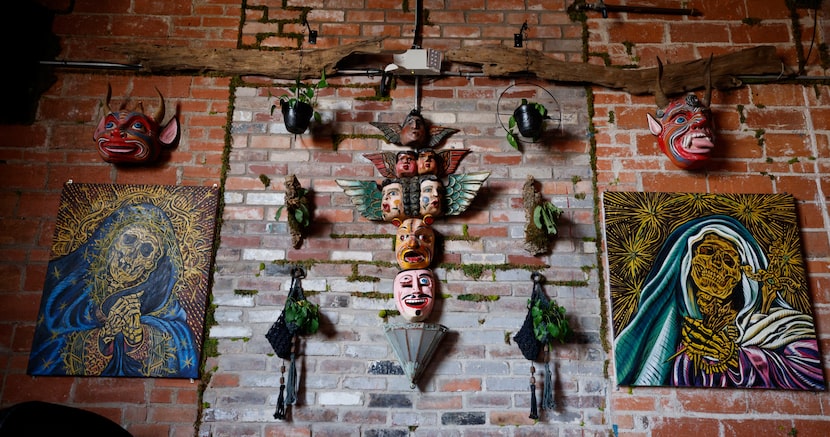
x: 519, y: 37
x: 312, y: 34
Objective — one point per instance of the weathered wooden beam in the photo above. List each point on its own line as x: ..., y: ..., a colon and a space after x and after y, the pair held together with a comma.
x: 494, y: 61
x: 680, y: 77
x: 283, y: 64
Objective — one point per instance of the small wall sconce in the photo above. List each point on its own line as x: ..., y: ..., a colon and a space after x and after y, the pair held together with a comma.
x: 519, y: 37
x: 312, y: 34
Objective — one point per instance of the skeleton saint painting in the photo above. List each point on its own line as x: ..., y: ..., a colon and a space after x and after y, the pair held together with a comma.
x: 126, y: 287
x: 709, y: 291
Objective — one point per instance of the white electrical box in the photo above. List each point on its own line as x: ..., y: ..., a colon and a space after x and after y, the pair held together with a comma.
x: 417, y: 62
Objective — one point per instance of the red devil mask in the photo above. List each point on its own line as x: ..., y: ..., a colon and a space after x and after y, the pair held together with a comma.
x: 132, y: 137
x: 683, y: 126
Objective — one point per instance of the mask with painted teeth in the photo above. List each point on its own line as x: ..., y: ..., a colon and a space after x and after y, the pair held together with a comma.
x: 414, y: 294
x: 414, y: 243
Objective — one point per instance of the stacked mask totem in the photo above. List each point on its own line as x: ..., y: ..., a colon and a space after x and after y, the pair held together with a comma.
x: 420, y: 185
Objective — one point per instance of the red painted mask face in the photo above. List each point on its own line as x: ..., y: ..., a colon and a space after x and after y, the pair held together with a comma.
x: 406, y: 164
x: 684, y: 132
x: 132, y: 137
x: 414, y: 294
x: 414, y: 244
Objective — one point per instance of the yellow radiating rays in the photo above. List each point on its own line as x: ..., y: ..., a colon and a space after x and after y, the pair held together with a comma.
x: 192, y: 214
x: 631, y: 253
x: 767, y: 216
x: 625, y: 297
x: 637, y: 225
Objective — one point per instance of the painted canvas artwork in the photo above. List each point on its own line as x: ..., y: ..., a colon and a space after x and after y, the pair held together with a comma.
x: 127, y: 281
x: 709, y: 290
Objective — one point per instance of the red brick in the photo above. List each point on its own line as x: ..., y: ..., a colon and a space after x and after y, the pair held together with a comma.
x: 685, y: 426
x: 172, y: 414
x: 760, y: 34
x: 697, y: 32
x: 287, y: 430
x: 636, y: 32
x: 686, y: 182
x: 729, y: 402
x: 23, y: 176
x: 19, y: 306
x: 148, y: 430
x: 96, y: 390
x: 633, y: 403
x: 469, y: 384
x: 20, y: 388
x: 741, y: 184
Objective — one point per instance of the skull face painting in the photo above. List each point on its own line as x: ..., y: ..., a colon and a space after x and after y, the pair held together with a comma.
x: 716, y: 266
x: 132, y: 137
x: 134, y: 254
x: 414, y: 294
x: 414, y: 244
x: 116, y: 313
x: 684, y: 132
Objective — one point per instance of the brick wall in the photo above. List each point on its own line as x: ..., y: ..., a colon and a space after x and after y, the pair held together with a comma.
x: 38, y: 159
x: 477, y: 384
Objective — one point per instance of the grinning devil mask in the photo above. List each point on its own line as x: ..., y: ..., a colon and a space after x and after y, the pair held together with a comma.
x: 683, y: 126
x: 415, y: 294
x: 132, y: 137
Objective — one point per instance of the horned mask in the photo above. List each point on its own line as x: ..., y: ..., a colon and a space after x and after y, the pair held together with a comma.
x: 683, y: 126
x: 131, y: 136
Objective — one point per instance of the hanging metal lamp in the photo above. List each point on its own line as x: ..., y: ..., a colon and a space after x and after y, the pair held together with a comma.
x: 414, y: 344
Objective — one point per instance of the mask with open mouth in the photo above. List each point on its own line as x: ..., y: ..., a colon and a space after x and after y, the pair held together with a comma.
x: 414, y: 243
x: 132, y: 137
x: 414, y: 294
x: 683, y: 125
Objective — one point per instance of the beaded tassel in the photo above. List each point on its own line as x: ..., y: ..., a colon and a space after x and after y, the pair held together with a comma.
x: 548, y: 403
x: 291, y: 391
x: 280, y: 413
x: 534, y: 411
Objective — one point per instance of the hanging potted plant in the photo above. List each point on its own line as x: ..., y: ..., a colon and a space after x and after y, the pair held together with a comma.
x: 298, y: 108
x: 529, y: 119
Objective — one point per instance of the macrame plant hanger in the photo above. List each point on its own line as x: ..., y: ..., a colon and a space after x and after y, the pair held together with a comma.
x: 284, y: 340
x: 531, y: 347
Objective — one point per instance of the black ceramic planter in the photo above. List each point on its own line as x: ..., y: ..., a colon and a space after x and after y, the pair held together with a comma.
x: 297, y: 117
x: 529, y: 121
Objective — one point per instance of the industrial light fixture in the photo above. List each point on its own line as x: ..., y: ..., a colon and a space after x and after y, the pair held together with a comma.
x: 416, y: 61
x: 414, y: 344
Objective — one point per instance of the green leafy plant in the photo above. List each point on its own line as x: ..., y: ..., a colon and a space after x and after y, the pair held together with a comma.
x: 297, y: 211
x: 545, y: 217
x: 512, y: 122
x: 302, y: 316
x: 305, y: 93
x: 549, y: 322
